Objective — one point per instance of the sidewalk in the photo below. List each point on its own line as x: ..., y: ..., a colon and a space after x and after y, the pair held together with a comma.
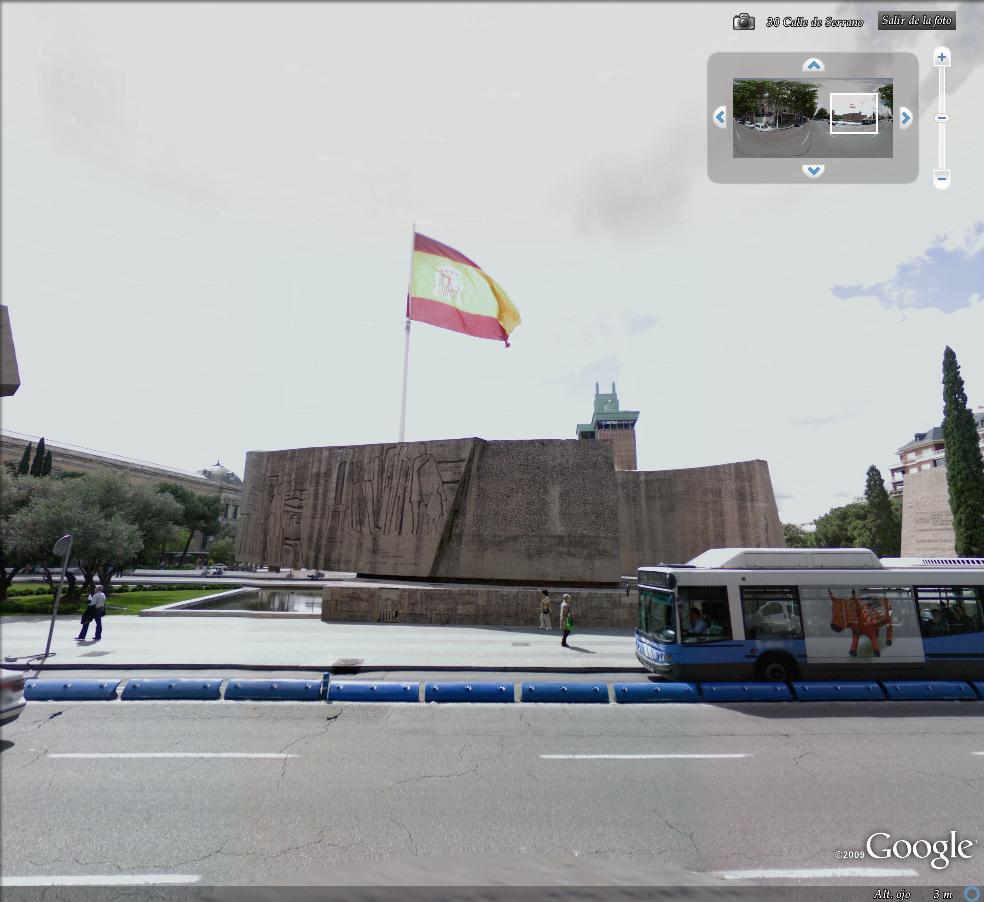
x: 234, y: 642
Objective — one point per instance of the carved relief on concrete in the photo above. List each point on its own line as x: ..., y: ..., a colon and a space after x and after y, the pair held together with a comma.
x: 392, y: 490
x: 361, y: 507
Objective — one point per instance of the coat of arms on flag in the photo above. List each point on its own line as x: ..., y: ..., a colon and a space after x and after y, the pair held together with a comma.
x: 452, y: 292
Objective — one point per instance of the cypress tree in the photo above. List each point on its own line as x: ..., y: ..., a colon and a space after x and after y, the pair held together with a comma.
x: 24, y: 466
x: 964, y: 467
x: 38, y: 462
x: 46, y: 466
x: 885, y: 530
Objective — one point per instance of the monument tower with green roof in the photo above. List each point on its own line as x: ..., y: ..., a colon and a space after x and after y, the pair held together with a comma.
x: 610, y: 424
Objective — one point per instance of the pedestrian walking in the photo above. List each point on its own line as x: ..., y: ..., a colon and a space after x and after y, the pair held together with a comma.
x: 545, y: 610
x: 94, y: 611
x: 566, y: 619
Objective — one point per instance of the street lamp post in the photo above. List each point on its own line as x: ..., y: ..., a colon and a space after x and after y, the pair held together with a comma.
x: 63, y: 547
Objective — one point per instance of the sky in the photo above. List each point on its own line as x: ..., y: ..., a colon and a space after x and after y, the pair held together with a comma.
x: 207, y: 214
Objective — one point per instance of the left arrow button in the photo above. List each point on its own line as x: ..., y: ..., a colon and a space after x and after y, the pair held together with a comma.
x: 720, y: 117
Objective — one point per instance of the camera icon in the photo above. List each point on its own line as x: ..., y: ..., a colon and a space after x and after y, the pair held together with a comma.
x: 743, y: 22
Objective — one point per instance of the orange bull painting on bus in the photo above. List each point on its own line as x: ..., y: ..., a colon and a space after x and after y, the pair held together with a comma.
x: 863, y: 616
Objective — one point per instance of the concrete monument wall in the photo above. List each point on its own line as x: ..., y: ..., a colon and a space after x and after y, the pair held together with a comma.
x: 927, y: 522
x: 671, y: 516
x: 380, y: 509
x: 539, y: 510
x: 549, y: 512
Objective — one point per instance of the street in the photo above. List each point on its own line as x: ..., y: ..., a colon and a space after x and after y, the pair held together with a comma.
x: 812, y: 139
x: 310, y: 793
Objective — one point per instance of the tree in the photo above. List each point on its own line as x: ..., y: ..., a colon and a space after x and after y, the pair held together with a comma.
x: 887, y: 95
x: 46, y: 466
x: 38, y: 463
x: 822, y: 113
x: 884, y: 528
x: 964, y: 467
x: 25, y: 462
x: 199, y: 513
x: 776, y: 98
x: 110, y: 521
x: 17, y: 552
x: 222, y: 550
x: 797, y: 537
x: 130, y: 519
x: 844, y: 527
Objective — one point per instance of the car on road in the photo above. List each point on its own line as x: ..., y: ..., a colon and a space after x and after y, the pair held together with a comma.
x: 12, y: 700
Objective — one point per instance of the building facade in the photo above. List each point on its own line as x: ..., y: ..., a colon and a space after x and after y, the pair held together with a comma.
x: 9, y: 374
x: 230, y: 494
x: 926, y: 452
x: 611, y: 424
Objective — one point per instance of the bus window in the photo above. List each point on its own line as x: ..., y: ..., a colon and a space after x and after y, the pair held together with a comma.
x: 656, y: 615
x: 950, y: 610
x: 704, y: 613
x: 771, y: 612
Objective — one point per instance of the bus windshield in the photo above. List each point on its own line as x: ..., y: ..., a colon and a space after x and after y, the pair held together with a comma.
x: 656, y: 614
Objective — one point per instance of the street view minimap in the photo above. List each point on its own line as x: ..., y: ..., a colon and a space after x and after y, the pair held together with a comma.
x: 491, y: 451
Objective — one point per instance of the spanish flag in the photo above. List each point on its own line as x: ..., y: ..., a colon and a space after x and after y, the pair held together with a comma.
x: 452, y: 292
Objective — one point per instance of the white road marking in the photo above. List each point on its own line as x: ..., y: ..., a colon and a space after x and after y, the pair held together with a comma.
x: 276, y: 755
x: 815, y: 873
x: 640, y: 757
x: 101, y: 880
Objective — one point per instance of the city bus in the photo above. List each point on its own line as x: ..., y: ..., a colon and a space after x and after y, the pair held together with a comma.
x: 789, y: 613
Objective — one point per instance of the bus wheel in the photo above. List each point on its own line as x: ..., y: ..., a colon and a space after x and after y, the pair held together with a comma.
x: 776, y: 668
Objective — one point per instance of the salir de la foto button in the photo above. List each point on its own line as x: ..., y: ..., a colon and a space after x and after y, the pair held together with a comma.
x: 917, y: 20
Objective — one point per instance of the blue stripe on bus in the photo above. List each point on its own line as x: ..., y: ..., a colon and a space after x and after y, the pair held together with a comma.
x: 724, y: 651
x: 959, y: 645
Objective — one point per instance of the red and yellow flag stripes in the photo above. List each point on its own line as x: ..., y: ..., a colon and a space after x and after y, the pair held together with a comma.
x: 452, y: 292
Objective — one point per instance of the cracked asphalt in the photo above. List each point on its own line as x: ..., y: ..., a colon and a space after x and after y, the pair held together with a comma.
x: 426, y: 794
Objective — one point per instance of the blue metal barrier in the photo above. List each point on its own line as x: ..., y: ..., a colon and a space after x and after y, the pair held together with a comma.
x: 839, y: 691
x: 365, y: 691
x: 70, y: 690
x: 573, y: 693
x: 642, y: 693
x: 935, y: 690
x: 746, y: 692
x: 172, y: 690
x: 273, y: 690
x: 470, y: 692
x: 979, y: 686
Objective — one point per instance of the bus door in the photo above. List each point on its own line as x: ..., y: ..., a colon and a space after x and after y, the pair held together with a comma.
x: 657, y: 627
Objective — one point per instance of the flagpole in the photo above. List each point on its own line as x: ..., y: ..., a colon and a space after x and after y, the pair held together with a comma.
x: 406, y: 343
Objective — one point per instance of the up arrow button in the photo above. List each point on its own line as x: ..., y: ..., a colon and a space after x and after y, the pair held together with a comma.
x: 814, y: 65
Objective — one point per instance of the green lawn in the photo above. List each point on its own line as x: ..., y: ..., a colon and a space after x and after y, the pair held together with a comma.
x: 130, y: 602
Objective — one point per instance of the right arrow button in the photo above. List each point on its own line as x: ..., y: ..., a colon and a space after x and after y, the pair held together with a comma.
x: 905, y: 118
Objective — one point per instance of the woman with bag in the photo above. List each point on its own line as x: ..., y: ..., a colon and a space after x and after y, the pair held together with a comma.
x: 566, y: 619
